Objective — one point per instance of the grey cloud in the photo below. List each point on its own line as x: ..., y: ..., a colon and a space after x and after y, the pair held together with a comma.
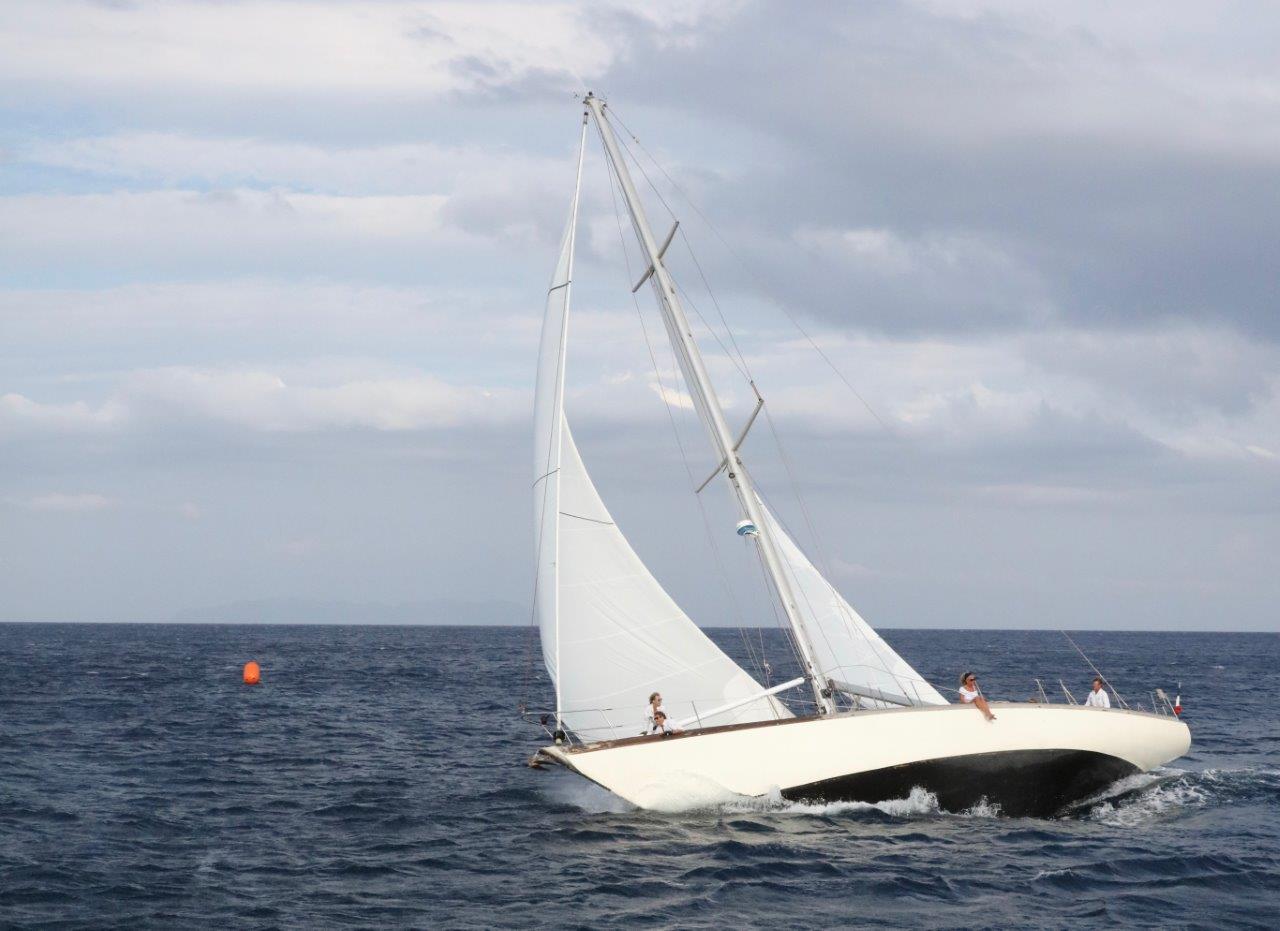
x: 893, y: 117
x: 1176, y: 371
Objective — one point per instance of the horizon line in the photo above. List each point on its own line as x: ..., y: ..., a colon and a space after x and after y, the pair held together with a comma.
x: 172, y: 623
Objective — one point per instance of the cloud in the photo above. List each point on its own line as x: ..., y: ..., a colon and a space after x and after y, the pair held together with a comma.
x: 1113, y: 175
x: 1048, y: 495
x: 274, y: 55
x: 938, y: 280
x: 672, y: 396
x: 249, y: 315
x: 68, y: 503
x: 166, y: 231
x: 174, y: 159
x: 263, y: 401
x: 394, y: 47
x: 20, y: 413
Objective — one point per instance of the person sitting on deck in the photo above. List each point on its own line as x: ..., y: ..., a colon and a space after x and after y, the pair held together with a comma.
x: 1098, y: 698
x: 660, y: 725
x: 969, y: 695
x: 651, y: 711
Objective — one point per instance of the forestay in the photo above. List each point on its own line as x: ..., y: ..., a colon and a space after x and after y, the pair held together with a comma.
x: 610, y: 633
x: 848, y: 652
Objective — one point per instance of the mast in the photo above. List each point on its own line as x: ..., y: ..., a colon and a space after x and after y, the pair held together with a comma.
x: 699, y: 383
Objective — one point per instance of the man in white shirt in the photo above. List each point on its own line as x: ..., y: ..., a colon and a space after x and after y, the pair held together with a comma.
x: 1098, y: 698
x: 661, y: 725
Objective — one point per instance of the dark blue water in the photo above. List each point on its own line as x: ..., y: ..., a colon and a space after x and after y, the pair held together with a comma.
x: 377, y: 778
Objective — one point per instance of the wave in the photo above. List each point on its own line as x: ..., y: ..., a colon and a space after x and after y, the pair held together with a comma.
x: 1129, y: 802
x: 692, y: 795
x: 1169, y: 793
x: 919, y: 802
x: 1159, y: 798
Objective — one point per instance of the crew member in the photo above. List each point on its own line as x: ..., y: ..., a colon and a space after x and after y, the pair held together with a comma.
x: 651, y: 711
x: 969, y: 695
x: 660, y: 724
x: 1098, y: 698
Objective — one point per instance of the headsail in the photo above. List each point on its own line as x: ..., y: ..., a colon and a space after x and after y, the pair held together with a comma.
x: 610, y: 633
x: 848, y: 651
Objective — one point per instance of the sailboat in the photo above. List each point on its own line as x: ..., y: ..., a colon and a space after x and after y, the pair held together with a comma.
x: 875, y: 728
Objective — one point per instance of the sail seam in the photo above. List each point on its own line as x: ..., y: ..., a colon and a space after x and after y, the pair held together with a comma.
x: 544, y: 477
x: 607, y: 523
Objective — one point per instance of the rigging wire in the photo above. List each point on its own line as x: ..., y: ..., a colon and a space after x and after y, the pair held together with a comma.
x: 1096, y: 670
x: 741, y: 364
x: 744, y: 370
x: 824, y: 566
x: 724, y: 322
x: 750, y: 271
x: 759, y: 662
x: 736, y: 357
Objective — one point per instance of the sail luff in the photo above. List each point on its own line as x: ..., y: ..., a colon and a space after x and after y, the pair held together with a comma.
x: 564, y: 345
x: 700, y: 386
x: 547, y: 469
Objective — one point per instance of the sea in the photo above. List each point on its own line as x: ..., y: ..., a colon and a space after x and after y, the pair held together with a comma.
x: 377, y: 778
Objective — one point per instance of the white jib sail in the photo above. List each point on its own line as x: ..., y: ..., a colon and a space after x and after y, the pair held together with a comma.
x: 611, y: 635
x: 847, y: 650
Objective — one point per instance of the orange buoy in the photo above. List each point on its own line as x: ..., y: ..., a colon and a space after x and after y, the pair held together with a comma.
x: 252, y: 674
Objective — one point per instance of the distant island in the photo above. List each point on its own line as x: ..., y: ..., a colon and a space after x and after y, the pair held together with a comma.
x: 306, y: 611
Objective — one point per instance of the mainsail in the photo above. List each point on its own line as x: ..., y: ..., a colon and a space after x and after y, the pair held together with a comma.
x: 611, y: 635
x: 848, y: 652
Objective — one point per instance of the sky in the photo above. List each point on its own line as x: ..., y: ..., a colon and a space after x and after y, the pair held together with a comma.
x: 272, y: 277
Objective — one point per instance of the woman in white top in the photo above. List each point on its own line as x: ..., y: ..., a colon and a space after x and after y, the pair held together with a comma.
x: 969, y: 695
x: 651, y: 712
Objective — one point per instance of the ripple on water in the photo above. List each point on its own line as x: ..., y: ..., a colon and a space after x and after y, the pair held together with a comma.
x: 377, y: 779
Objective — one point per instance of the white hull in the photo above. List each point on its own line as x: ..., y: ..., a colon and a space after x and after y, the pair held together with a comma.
x: 1032, y: 760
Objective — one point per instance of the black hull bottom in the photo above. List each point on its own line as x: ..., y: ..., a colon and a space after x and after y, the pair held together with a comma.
x: 1024, y: 783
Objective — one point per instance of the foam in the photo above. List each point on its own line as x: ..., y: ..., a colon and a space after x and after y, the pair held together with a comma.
x: 685, y: 793
x: 681, y: 792
x: 1134, y: 800
x: 1150, y: 797
x: 918, y: 802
